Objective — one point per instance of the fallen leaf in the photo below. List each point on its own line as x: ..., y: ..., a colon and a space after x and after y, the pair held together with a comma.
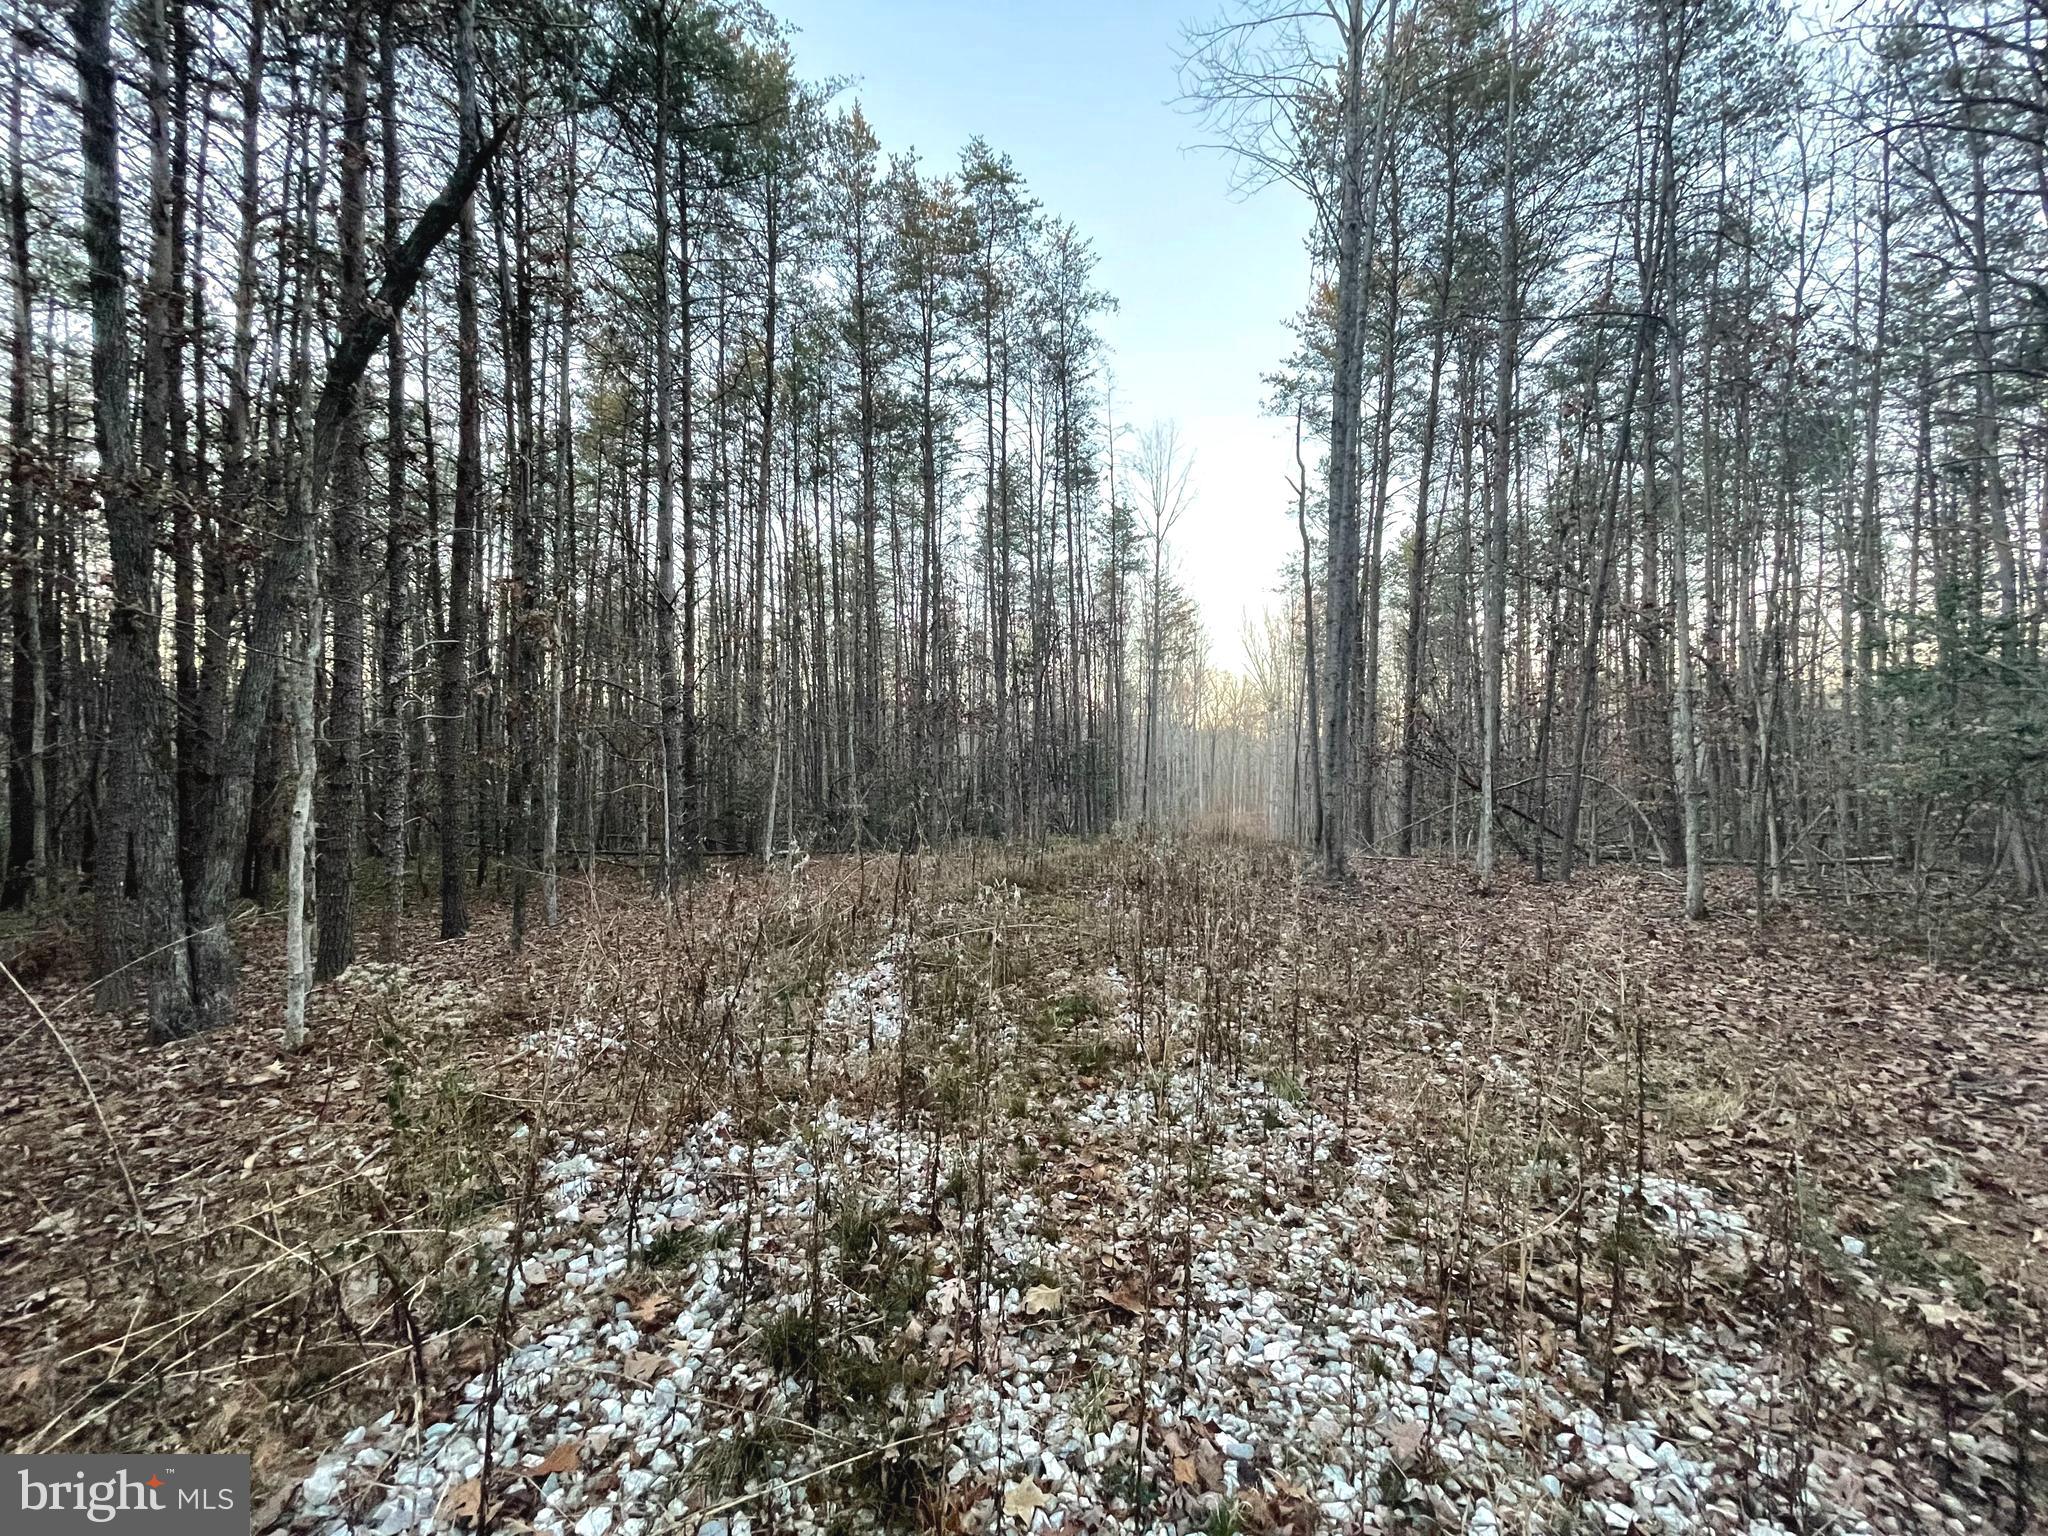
x: 266, y: 1514
x: 647, y: 1308
x: 564, y: 1456
x: 1042, y: 1298
x: 1121, y: 1300
x: 1184, y: 1471
x: 641, y: 1365
x: 465, y: 1501
x: 1404, y: 1440
x: 1023, y: 1498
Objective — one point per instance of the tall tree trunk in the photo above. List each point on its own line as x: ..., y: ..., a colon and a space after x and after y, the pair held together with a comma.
x: 565, y: 525
x: 527, y: 620
x: 1869, y: 546
x: 1155, y: 647
x: 1340, y: 579
x: 677, y: 824
x: 340, y: 824
x: 299, y: 679
x: 1493, y: 619
x: 1596, y: 602
x: 1375, y: 533
x: 393, y: 666
x: 1416, y: 653
x: 239, y: 483
x: 764, y: 477
x: 140, y: 888
x: 1357, y: 225
x: 281, y: 585
x: 1684, y: 747
x: 690, y: 823
x: 162, y: 404
x: 1308, y: 630
x: 1987, y: 483
x: 26, y: 702
x: 452, y: 746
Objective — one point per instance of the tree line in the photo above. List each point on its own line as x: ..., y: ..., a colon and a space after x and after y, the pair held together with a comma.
x: 447, y: 449
x: 450, y: 447
x: 1673, y: 371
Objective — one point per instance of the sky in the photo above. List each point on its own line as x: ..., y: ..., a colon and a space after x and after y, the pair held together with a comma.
x: 1081, y: 97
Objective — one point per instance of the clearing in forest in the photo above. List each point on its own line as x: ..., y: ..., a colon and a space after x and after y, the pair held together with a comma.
x: 1114, y: 1187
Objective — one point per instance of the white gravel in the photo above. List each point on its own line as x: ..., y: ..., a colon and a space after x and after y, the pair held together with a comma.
x: 1284, y: 1353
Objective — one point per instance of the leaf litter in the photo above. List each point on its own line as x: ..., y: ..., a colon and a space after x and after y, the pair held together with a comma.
x: 1157, y: 1190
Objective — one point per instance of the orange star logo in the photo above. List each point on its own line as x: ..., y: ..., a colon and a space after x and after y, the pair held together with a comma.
x: 155, y: 1481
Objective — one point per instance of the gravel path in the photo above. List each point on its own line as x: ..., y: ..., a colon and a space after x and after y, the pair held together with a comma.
x: 1292, y: 1381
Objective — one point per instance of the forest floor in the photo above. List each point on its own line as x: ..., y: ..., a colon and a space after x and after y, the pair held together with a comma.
x: 1111, y: 1187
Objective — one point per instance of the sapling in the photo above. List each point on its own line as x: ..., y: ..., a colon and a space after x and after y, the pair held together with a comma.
x: 501, y: 1327
x: 815, y: 1281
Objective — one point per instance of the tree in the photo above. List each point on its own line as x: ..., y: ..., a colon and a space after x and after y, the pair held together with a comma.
x: 1165, y: 469
x: 138, y: 881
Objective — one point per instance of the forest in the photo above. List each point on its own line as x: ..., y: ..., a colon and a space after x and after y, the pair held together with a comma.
x: 625, y: 845
x: 653, y: 467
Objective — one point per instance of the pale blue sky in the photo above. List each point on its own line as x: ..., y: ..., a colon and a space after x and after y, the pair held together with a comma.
x: 1080, y: 96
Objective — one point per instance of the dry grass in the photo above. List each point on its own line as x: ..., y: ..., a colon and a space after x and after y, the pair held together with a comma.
x: 325, y: 1231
